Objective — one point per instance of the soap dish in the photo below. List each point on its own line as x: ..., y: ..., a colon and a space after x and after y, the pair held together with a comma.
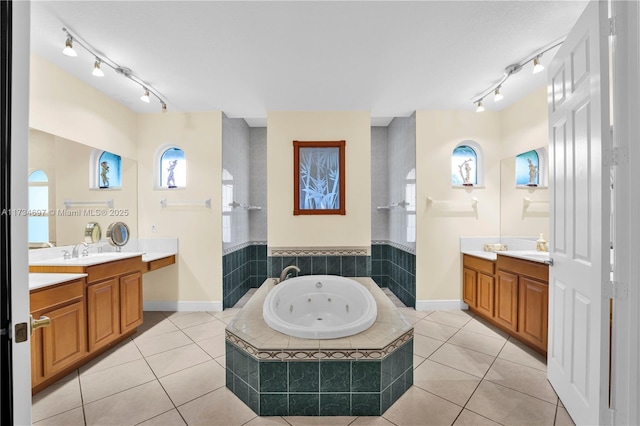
x: 495, y: 247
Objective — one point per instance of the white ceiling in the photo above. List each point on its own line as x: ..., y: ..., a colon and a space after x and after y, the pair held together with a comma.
x: 246, y: 58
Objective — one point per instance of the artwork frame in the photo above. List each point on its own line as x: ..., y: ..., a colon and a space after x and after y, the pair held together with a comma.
x: 319, y: 187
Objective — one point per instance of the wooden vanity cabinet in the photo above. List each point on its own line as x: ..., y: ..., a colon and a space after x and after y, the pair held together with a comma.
x: 478, y: 284
x: 506, y: 312
x: 103, y: 305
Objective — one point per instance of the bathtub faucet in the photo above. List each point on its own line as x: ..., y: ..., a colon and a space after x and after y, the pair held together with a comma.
x: 285, y: 272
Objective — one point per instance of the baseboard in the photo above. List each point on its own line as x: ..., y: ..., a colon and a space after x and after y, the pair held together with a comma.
x: 440, y: 305
x: 182, y: 305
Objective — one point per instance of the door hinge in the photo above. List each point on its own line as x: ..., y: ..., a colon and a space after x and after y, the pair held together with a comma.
x: 612, y: 26
x: 615, y: 290
x: 619, y: 156
x: 4, y: 331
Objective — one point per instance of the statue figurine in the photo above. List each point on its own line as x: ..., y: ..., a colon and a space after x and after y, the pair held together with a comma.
x: 466, y: 176
x: 533, y: 172
x: 171, y: 181
x: 103, y: 174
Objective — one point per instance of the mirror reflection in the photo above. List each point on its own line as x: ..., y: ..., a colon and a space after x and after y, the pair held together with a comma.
x: 63, y: 196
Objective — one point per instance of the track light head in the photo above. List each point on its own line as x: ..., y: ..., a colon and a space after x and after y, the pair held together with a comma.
x: 96, y: 69
x: 68, y: 47
x: 537, y: 66
x: 497, y: 95
x: 145, y: 97
x: 480, y: 107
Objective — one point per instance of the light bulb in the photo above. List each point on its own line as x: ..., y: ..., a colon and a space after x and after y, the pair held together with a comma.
x: 537, y: 66
x: 96, y: 69
x: 498, y: 95
x: 145, y: 97
x: 480, y: 107
x: 68, y: 48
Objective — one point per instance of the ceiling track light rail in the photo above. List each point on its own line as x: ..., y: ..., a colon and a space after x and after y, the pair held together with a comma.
x: 514, y: 69
x: 103, y: 60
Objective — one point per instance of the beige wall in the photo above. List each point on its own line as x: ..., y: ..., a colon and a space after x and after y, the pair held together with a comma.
x: 440, y: 226
x: 524, y: 126
x: 197, y: 277
x: 287, y: 230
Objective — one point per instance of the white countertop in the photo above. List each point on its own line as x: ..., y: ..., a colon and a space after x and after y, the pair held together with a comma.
x: 148, y: 257
x: 92, y: 259
x: 532, y: 255
x: 39, y: 280
x: 482, y: 254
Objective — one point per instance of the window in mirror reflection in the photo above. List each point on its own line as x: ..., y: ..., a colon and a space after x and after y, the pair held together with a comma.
x: 528, y: 169
x: 464, y: 166
x: 227, y: 203
x: 109, y: 170
x: 410, y: 197
x: 173, y: 169
x: 38, y: 226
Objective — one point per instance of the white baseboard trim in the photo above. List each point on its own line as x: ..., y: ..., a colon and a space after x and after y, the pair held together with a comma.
x: 182, y: 305
x: 441, y: 305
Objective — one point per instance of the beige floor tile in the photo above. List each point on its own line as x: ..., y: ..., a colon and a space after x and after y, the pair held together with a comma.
x: 446, y: 382
x: 222, y: 360
x: 371, y: 421
x: 447, y: 318
x: 412, y: 315
x: 424, y: 346
x: 152, y: 317
x: 563, y: 418
x: 480, y: 326
x: 478, y: 342
x: 560, y: 403
x: 434, y: 330
x: 220, y: 407
x: 192, y: 319
x: 177, y: 359
x: 170, y: 418
x: 417, y: 360
x: 226, y: 314
x: 510, y: 407
x: 161, y: 343
x: 519, y: 353
x: 523, y: 379
x: 155, y: 329
x: 462, y: 359
x: 205, y: 331
x: 469, y: 418
x: 419, y: 407
x: 319, y: 421
x: 175, y: 314
x: 461, y: 312
x: 73, y: 417
x: 57, y: 398
x: 129, y: 407
x: 121, y: 354
x: 115, y: 379
x: 193, y: 382
x: 214, y: 346
x: 267, y: 421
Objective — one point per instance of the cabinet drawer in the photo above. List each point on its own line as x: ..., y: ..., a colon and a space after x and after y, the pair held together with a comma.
x: 528, y: 268
x: 58, y: 295
x: 113, y: 269
x: 482, y: 265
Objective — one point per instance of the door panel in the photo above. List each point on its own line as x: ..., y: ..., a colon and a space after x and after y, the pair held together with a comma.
x: 506, y: 307
x: 485, y: 294
x: 103, y: 313
x: 469, y: 287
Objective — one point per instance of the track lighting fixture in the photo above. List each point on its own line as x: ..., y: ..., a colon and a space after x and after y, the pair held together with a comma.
x: 104, y: 60
x: 537, y: 66
x: 145, y: 97
x: 512, y: 69
x: 96, y: 69
x: 68, y: 47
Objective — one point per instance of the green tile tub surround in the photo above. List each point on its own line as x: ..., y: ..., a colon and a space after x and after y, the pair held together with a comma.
x: 395, y: 268
x: 242, y: 269
x: 344, y: 266
x: 357, y: 375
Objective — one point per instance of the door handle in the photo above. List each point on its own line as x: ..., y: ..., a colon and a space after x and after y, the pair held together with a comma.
x: 39, y: 323
x: 549, y: 262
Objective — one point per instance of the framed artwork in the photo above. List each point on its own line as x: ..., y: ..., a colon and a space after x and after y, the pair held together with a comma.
x: 318, y: 177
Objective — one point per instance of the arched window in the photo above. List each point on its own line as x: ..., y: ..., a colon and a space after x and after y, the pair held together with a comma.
x: 227, y: 205
x: 466, y: 164
x: 173, y: 168
x: 109, y: 170
x: 528, y: 168
x: 38, y: 225
x: 410, y: 198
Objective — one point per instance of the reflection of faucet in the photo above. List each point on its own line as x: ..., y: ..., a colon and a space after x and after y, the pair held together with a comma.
x: 85, y: 250
x: 285, y: 272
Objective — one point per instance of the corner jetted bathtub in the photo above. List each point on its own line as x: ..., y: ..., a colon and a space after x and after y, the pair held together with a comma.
x: 319, y: 307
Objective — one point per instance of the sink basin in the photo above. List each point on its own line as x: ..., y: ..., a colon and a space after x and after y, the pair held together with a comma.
x: 92, y: 259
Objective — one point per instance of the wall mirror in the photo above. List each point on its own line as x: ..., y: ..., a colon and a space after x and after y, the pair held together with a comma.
x: 59, y: 172
x: 524, y: 207
x: 92, y: 233
x: 118, y: 234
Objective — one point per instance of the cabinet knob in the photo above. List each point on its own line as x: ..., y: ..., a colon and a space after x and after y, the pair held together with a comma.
x: 39, y: 323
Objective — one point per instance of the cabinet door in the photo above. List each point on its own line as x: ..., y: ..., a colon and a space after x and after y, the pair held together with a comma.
x: 103, y: 305
x: 469, y: 287
x: 64, y: 341
x: 506, y: 301
x: 533, y: 312
x: 485, y: 294
x: 130, y: 301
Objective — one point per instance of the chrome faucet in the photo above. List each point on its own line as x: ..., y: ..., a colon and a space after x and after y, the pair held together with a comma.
x: 85, y: 250
x: 285, y: 272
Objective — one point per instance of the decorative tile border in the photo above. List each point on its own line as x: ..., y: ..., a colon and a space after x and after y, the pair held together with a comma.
x: 318, y: 251
x: 292, y: 354
x: 243, y: 245
x: 408, y: 249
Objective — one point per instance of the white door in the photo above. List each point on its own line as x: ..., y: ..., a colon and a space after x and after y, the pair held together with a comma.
x: 578, y: 353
